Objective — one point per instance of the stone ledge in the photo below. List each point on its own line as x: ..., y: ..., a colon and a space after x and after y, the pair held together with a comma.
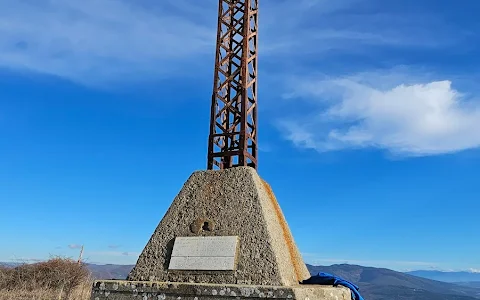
x: 147, y: 290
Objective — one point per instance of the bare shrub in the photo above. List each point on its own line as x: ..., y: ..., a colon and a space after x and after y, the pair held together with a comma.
x: 60, y: 276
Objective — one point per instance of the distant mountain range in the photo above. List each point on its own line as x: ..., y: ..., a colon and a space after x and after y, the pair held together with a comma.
x: 374, y: 283
x: 383, y: 284
x: 448, y: 276
x: 110, y: 271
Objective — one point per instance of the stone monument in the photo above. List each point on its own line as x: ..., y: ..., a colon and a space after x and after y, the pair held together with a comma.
x: 224, y: 227
x: 224, y: 236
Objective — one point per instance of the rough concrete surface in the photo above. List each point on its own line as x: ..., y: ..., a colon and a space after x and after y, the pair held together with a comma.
x: 231, y: 202
x: 127, y: 290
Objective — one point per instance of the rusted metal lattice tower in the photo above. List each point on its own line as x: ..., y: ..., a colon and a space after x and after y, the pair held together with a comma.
x: 233, y: 121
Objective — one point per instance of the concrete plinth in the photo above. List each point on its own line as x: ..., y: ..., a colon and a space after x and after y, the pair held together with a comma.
x: 224, y: 236
x: 128, y: 290
x: 231, y: 202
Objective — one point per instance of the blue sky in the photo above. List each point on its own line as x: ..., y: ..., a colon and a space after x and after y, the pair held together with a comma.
x: 369, y: 117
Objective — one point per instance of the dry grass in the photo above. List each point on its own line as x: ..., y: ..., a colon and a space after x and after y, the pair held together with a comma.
x: 55, y: 279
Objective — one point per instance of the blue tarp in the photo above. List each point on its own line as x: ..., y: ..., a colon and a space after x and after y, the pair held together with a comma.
x: 329, y: 279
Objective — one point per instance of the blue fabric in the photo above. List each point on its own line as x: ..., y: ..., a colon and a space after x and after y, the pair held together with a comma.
x: 329, y: 279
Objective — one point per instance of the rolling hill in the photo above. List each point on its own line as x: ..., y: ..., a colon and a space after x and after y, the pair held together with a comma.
x: 383, y: 284
x: 473, y: 284
x: 374, y: 283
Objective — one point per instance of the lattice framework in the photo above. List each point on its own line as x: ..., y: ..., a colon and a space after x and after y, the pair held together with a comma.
x: 233, y: 120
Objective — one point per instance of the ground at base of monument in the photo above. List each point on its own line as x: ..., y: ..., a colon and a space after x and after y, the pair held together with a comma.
x: 146, y: 290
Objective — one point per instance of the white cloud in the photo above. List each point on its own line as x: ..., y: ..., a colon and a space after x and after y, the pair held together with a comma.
x: 75, y: 246
x: 413, y: 119
x: 114, y: 253
x: 111, y: 257
x: 89, y: 40
x: 472, y: 270
x: 319, y: 27
x: 103, y: 40
x: 27, y: 260
x: 315, y: 259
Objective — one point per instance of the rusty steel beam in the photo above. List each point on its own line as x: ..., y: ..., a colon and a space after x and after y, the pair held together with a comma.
x: 233, y: 121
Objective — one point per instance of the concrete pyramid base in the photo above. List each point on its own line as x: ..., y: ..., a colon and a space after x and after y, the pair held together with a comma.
x: 234, y: 202
x: 213, y: 205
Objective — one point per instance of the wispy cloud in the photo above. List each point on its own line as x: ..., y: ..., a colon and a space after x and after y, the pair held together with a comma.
x: 373, y: 262
x: 87, y: 40
x: 114, y: 253
x: 350, y: 26
x: 91, y: 41
x: 27, y: 260
x: 112, y: 257
x: 316, y: 259
x: 472, y: 270
x: 75, y: 246
x: 114, y: 246
x: 408, y: 119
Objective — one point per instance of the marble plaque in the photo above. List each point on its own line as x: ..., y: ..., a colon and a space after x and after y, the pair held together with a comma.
x: 206, y: 253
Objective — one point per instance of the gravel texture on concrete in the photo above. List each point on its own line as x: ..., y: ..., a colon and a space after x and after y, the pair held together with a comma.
x: 127, y: 290
x: 231, y: 202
